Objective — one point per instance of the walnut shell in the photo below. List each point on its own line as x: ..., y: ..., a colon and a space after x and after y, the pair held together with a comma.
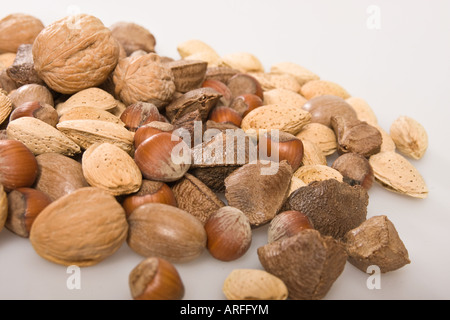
x: 144, y: 78
x: 17, y: 29
x: 75, y: 53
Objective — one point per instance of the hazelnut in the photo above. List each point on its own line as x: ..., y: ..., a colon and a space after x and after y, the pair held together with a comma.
x: 155, y: 279
x: 224, y: 114
x: 229, y: 234
x: 31, y: 92
x: 287, y: 224
x: 221, y: 88
x: 243, y: 83
x: 24, y: 205
x: 286, y: 145
x: 18, y: 165
x: 150, y: 192
x: 38, y: 110
x: 146, y: 131
x: 246, y: 103
x: 163, y: 157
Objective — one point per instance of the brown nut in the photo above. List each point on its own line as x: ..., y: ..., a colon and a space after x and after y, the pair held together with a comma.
x: 24, y: 205
x: 188, y: 74
x: 139, y: 114
x: 284, y: 146
x: 22, y: 70
x: 287, y: 224
x: 246, y: 103
x: 222, y: 114
x: 38, y: 110
x: 322, y: 108
x: 243, y: 83
x: 58, y: 175
x: 133, y: 37
x: 5, y: 106
x: 31, y: 92
x: 82, y: 228
x: 3, y: 206
x: 156, y: 279
x: 163, y: 157
x: 18, y: 165
x: 355, y: 169
x: 165, y: 231
x: 150, y: 192
x: 221, y: 88
x: 146, y: 131
x: 229, y: 234
x: 145, y: 79
x: 66, y: 53
x: 17, y: 29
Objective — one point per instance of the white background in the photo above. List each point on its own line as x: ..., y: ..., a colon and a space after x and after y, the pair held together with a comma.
x: 401, y: 69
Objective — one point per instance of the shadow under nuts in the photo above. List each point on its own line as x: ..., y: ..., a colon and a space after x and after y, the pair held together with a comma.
x: 165, y: 231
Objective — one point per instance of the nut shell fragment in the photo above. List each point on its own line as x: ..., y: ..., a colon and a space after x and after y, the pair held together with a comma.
x: 410, y: 137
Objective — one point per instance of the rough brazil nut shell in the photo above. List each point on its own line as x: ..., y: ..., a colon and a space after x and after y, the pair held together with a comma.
x: 82, y: 228
x: 70, y: 58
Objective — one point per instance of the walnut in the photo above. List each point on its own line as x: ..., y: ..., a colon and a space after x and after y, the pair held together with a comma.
x: 144, y: 78
x: 133, y: 37
x: 17, y: 29
x: 75, y: 53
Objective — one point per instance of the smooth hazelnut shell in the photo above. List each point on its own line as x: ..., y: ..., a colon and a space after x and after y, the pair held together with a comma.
x: 139, y: 114
x: 288, y: 146
x: 287, y: 224
x: 156, y: 279
x: 243, y: 83
x: 220, y: 87
x: 24, y: 205
x: 154, y: 158
x: 18, y: 165
x: 246, y: 103
x: 146, y: 131
x: 150, y: 192
x: 38, y: 110
x: 224, y: 114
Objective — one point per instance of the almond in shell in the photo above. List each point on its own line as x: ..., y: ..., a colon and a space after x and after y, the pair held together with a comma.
x: 317, y: 88
x: 317, y: 172
x: 395, y: 173
x: 410, y: 137
x: 92, y: 97
x: 3, y: 207
x: 110, y: 168
x: 41, y: 137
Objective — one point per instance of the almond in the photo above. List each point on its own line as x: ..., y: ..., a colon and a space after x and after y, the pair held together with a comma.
x: 285, y: 118
x: 87, y: 132
x: 90, y: 113
x: 387, y: 143
x: 395, y: 173
x: 317, y: 172
x: 284, y: 97
x: 243, y: 61
x: 108, y: 167
x: 271, y: 81
x: 320, y: 134
x: 301, y: 74
x: 92, y: 97
x: 410, y: 137
x: 363, y: 110
x: 254, y: 284
x: 5, y: 106
x: 82, y: 228
x: 41, y: 137
x: 3, y: 207
x: 312, y: 154
x: 317, y: 88
x: 295, y: 184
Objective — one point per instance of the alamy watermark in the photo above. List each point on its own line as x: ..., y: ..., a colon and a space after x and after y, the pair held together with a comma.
x: 374, y: 280
x: 73, y: 282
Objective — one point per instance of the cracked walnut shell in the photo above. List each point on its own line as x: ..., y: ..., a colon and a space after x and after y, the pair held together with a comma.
x: 75, y: 53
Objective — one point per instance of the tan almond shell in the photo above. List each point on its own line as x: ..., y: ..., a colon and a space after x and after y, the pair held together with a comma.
x: 92, y: 97
x: 387, y: 144
x: 318, y: 172
x: 301, y: 74
x: 243, y: 61
x: 320, y: 134
x: 7, y: 60
x: 312, y: 154
x: 410, y: 137
x: 90, y: 113
x: 3, y: 207
x: 41, y: 137
x: 83, y: 62
x: 82, y: 228
x: 270, y: 81
x: 395, y: 173
x: 363, y: 110
x: 253, y: 284
x: 284, y: 97
x: 317, y: 88
x: 295, y: 184
x: 285, y: 118
x: 5, y: 107
x: 87, y: 132
x: 110, y: 168
x: 193, y: 46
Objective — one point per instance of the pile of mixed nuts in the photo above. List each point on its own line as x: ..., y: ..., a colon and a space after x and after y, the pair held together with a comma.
x: 103, y: 141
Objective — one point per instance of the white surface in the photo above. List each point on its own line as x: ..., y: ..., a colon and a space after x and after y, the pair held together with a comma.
x: 401, y: 69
